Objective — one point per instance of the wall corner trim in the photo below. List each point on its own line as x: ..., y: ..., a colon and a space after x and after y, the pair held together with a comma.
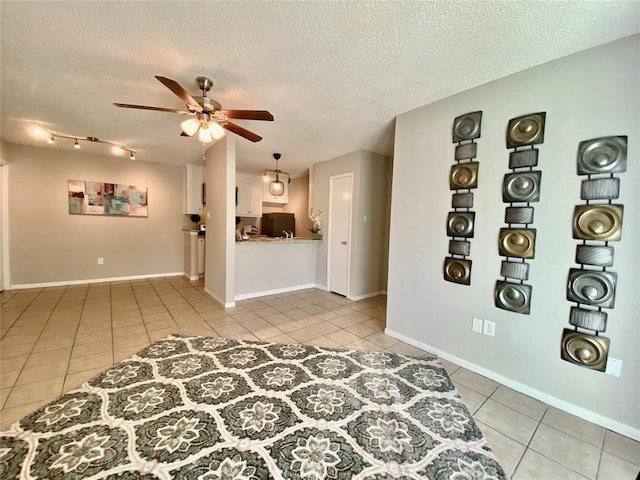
x: 218, y: 300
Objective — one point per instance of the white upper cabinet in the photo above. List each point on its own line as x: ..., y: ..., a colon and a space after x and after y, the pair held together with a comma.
x: 268, y: 198
x: 248, y: 195
x: 193, y: 189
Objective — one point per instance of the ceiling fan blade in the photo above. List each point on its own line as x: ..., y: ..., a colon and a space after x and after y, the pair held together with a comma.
x: 249, y: 114
x: 243, y: 132
x: 156, y: 109
x: 176, y: 88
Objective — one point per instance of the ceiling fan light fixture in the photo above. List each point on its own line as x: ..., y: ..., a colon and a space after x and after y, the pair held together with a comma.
x: 216, y: 130
x: 132, y: 156
x: 76, y: 145
x: 190, y: 126
x: 52, y: 139
x: 204, y: 135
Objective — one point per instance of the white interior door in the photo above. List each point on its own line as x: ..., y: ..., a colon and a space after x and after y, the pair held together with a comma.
x: 340, y: 193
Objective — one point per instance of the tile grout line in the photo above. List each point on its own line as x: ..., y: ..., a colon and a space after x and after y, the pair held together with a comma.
x: 73, y: 345
x: 527, y: 447
x: 35, y: 342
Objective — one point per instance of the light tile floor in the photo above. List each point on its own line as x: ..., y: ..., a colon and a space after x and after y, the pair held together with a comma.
x: 54, y: 339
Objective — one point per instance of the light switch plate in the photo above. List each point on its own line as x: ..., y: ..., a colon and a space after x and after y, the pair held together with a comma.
x: 489, y: 328
x: 614, y: 366
x: 476, y: 325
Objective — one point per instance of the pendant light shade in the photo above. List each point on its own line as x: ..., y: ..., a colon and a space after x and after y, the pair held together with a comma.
x: 276, y: 187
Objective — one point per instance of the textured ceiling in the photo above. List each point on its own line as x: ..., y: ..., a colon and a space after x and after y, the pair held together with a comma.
x: 334, y: 74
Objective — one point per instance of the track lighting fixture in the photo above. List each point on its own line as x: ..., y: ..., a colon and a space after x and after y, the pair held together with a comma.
x: 117, y: 149
x: 276, y: 187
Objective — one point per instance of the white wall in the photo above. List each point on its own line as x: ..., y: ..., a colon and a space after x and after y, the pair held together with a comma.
x: 372, y: 216
x: 3, y: 225
x: 322, y: 172
x: 299, y: 205
x: 274, y: 267
x: 4, y: 219
x: 47, y: 245
x: 591, y: 94
x: 220, y: 177
x: 368, y: 254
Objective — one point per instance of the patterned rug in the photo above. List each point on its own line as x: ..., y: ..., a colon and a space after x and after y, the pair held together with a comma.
x: 209, y: 408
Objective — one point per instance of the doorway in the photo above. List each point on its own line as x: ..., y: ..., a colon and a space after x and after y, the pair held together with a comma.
x: 339, y: 242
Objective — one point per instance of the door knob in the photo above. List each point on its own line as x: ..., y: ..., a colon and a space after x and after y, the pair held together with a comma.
x: 344, y: 242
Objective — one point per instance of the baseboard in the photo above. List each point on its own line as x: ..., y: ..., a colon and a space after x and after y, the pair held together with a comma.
x: 191, y: 278
x: 583, y: 413
x: 218, y: 300
x: 264, y: 293
x: 94, y: 280
x: 366, y: 295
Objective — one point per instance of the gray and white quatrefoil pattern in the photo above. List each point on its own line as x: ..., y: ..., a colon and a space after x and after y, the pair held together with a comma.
x: 211, y: 408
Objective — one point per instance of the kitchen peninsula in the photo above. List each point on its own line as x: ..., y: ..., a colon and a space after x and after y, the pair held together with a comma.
x: 265, y: 266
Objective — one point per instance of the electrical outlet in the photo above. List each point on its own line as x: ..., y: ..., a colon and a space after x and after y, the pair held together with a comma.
x: 476, y: 325
x: 489, y: 328
x: 100, y: 261
x: 614, y: 366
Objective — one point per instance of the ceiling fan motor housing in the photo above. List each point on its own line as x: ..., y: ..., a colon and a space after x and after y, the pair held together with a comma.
x: 208, y: 104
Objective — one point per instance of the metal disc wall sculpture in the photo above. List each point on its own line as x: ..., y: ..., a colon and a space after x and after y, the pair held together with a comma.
x: 592, y: 287
x: 462, y: 179
x: 520, y: 188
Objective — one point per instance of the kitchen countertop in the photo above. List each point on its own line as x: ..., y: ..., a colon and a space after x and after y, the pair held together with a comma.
x: 277, y: 240
x: 195, y: 231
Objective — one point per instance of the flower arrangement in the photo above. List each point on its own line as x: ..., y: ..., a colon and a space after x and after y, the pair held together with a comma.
x: 316, y: 223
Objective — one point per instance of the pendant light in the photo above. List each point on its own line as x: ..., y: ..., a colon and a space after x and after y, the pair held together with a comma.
x: 276, y: 187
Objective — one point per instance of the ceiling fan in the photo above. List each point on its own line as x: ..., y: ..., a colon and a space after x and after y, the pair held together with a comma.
x: 209, y: 120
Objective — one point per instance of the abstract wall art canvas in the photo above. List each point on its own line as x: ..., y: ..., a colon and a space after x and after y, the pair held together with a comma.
x: 99, y: 198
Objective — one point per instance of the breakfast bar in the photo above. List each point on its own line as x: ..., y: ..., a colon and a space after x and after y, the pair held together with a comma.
x: 266, y: 266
